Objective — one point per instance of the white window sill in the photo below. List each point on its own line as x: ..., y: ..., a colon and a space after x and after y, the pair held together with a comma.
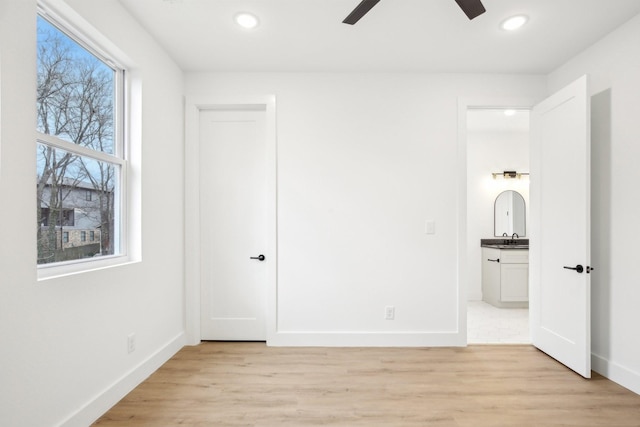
x: 58, y: 270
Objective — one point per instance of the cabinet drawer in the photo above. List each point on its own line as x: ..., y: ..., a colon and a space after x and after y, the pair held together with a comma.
x: 514, y: 256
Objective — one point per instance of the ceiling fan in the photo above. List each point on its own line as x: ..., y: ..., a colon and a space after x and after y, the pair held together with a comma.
x: 471, y: 8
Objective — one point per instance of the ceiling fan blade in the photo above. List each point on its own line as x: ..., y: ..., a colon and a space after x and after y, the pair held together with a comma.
x: 471, y: 8
x: 360, y: 10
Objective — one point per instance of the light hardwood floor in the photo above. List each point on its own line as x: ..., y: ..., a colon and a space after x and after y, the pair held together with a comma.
x: 250, y: 384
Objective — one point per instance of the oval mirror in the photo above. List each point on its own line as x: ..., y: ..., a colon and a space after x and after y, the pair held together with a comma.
x: 509, y: 214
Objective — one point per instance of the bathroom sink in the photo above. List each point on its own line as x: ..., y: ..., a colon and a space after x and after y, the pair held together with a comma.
x: 505, y: 243
x: 511, y: 246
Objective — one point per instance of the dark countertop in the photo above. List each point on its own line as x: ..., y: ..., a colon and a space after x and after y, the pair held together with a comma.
x: 505, y: 243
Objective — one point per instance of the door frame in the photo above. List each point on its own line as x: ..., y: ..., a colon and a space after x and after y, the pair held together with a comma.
x: 463, y: 274
x: 192, y: 276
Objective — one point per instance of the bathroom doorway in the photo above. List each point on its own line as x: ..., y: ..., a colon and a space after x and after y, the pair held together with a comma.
x: 497, y: 161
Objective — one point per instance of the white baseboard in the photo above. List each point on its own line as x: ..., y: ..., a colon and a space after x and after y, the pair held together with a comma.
x: 372, y: 339
x: 616, y: 373
x: 100, y: 404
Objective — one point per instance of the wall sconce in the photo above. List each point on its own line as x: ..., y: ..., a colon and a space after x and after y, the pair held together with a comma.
x: 509, y: 174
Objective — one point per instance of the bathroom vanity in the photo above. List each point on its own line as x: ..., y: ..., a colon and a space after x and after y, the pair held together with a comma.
x: 505, y: 259
x: 505, y: 272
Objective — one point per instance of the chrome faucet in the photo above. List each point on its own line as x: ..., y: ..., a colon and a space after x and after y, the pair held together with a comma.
x: 505, y: 234
x: 514, y: 236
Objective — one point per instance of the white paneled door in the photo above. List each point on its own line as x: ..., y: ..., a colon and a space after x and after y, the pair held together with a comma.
x: 233, y: 224
x: 560, y: 223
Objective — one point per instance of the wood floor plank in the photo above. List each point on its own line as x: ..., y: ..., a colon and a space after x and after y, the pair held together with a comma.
x: 250, y: 384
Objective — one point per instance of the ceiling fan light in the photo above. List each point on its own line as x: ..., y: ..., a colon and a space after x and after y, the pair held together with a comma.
x: 246, y: 20
x: 514, y: 22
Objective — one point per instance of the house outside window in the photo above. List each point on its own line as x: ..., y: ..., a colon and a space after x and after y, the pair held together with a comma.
x: 80, y: 155
x: 64, y: 217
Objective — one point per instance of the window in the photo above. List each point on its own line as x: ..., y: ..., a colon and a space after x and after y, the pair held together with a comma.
x: 80, y: 155
x: 64, y: 217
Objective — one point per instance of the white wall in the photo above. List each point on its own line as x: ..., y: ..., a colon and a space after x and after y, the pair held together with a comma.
x: 489, y: 152
x: 64, y: 353
x: 613, y: 65
x: 363, y: 160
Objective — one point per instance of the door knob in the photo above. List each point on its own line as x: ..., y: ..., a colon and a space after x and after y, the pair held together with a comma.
x: 259, y: 257
x: 577, y: 268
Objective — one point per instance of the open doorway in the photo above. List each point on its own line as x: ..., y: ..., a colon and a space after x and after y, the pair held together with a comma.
x: 497, y: 292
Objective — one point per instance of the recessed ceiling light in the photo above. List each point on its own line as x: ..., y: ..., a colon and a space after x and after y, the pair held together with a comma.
x: 513, y: 23
x: 509, y: 113
x: 246, y: 20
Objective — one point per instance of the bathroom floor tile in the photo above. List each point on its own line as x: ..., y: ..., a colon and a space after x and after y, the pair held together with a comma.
x: 487, y: 324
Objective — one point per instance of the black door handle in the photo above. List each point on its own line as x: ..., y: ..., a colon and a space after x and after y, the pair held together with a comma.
x: 493, y: 260
x: 259, y: 257
x: 577, y: 268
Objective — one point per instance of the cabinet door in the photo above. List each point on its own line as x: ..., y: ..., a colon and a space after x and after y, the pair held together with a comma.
x: 491, y: 275
x: 514, y: 280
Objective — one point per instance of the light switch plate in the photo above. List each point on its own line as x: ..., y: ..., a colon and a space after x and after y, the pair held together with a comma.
x: 430, y: 227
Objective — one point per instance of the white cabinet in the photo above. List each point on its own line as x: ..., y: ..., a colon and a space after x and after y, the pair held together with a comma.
x: 505, y: 277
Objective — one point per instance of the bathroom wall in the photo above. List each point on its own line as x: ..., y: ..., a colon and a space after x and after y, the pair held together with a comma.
x: 490, y: 151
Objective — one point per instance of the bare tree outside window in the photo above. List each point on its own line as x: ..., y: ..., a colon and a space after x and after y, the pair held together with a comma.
x: 78, y: 167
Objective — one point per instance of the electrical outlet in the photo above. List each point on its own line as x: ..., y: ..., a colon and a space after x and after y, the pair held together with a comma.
x: 131, y: 342
x: 389, y: 312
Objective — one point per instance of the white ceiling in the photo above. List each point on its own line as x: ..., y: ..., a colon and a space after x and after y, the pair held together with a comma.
x: 396, y: 35
x: 494, y: 120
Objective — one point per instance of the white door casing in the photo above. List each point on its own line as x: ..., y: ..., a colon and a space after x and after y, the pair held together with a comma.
x: 193, y: 233
x: 465, y: 104
x: 560, y: 227
x: 577, y: 354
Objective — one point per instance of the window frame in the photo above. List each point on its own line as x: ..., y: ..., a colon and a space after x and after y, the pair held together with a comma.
x: 120, y: 157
